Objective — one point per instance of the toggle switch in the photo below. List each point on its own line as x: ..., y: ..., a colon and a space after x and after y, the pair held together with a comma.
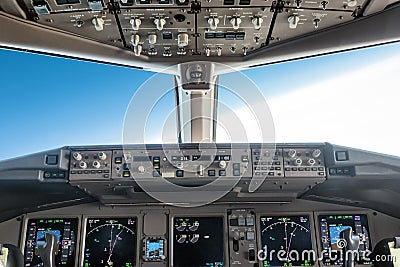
x: 138, y: 50
x: 235, y: 21
x: 98, y: 24
x: 257, y: 21
x: 293, y: 21
x: 152, y: 38
x: 183, y: 39
x: 135, y: 22
x: 135, y: 38
x: 160, y: 22
x: 213, y: 22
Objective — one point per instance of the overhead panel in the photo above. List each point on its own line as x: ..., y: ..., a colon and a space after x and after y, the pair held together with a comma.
x: 186, y: 30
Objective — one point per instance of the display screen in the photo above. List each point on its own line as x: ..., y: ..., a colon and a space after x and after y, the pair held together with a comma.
x: 198, y: 242
x: 110, y: 242
x: 332, y: 245
x: 154, y: 249
x: 64, y: 229
x: 286, y: 241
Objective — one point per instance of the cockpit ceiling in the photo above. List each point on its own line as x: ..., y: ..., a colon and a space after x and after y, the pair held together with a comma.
x: 240, y: 33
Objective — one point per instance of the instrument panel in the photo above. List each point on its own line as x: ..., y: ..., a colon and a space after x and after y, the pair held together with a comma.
x: 238, y: 237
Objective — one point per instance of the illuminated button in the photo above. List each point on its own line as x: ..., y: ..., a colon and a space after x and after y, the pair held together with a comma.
x: 126, y: 174
x: 51, y: 159
x: 156, y: 166
x: 179, y: 173
x: 211, y: 172
x: 156, y: 174
x: 222, y: 172
x: 249, y: 221
x: 127, y: 166
x: 250, y: 235
x: 236, y: 172
x: 118, y: 160
x: 242, y: 221
x: 245, y: 158
x: 236, y: 166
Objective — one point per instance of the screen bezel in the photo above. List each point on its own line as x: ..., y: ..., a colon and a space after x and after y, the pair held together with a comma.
x: 355, y: 212
x: 58, y: 216
x: 84, y: 229
x: 206, y: 215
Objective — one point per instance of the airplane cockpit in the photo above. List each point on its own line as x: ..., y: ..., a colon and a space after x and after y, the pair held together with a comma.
x: 220, y: 188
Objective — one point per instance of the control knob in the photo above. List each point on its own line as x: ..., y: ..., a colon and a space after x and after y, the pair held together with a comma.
x: 316, y: 153
x: 77, y: 156
x: 292, y: 153
x: 311, y: 162
x: 160, y: 22
x: 141, y: 169
x: 222, y: 164
x: 83, y: 165
x: 257, y: 21
x: 135, y: 22
x: 213, y: 22
x: 102, y: 156
x: 96, y: 164
x: 98, y: 24
x: 298, y: 161
x: 235, y: 21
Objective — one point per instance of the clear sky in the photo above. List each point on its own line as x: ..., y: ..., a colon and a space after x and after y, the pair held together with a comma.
x: 348, y: 99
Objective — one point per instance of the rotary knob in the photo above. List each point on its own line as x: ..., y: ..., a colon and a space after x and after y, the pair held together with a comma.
x: 83, y: 165
x: 316, y: 153
x: 292, y: 153
x: 96, y: 164
x: 141, y: 169
x: 298, y: 161
x: 222, y: 164
x: 77, y: 156
x: 311, y: 162
x: 102, y: 156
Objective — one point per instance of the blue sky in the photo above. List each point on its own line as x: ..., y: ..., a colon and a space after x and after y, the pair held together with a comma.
x: 48, y: 102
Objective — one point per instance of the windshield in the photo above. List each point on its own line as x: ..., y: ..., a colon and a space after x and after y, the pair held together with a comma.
x: 349, y: 99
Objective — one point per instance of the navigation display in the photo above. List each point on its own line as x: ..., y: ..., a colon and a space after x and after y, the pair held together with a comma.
x: 110, y: 242
x: 64, y: 229
x: 330, y: 228
x: 286, y: 241
x: 198, y: 242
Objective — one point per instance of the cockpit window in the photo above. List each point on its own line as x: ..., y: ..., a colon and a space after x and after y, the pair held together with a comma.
x: 349, y: 99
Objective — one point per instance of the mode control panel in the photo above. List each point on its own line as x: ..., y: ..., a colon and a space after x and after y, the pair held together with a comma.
x: 242, y: 237
x: 278, y: 162
x: 174, y: 163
